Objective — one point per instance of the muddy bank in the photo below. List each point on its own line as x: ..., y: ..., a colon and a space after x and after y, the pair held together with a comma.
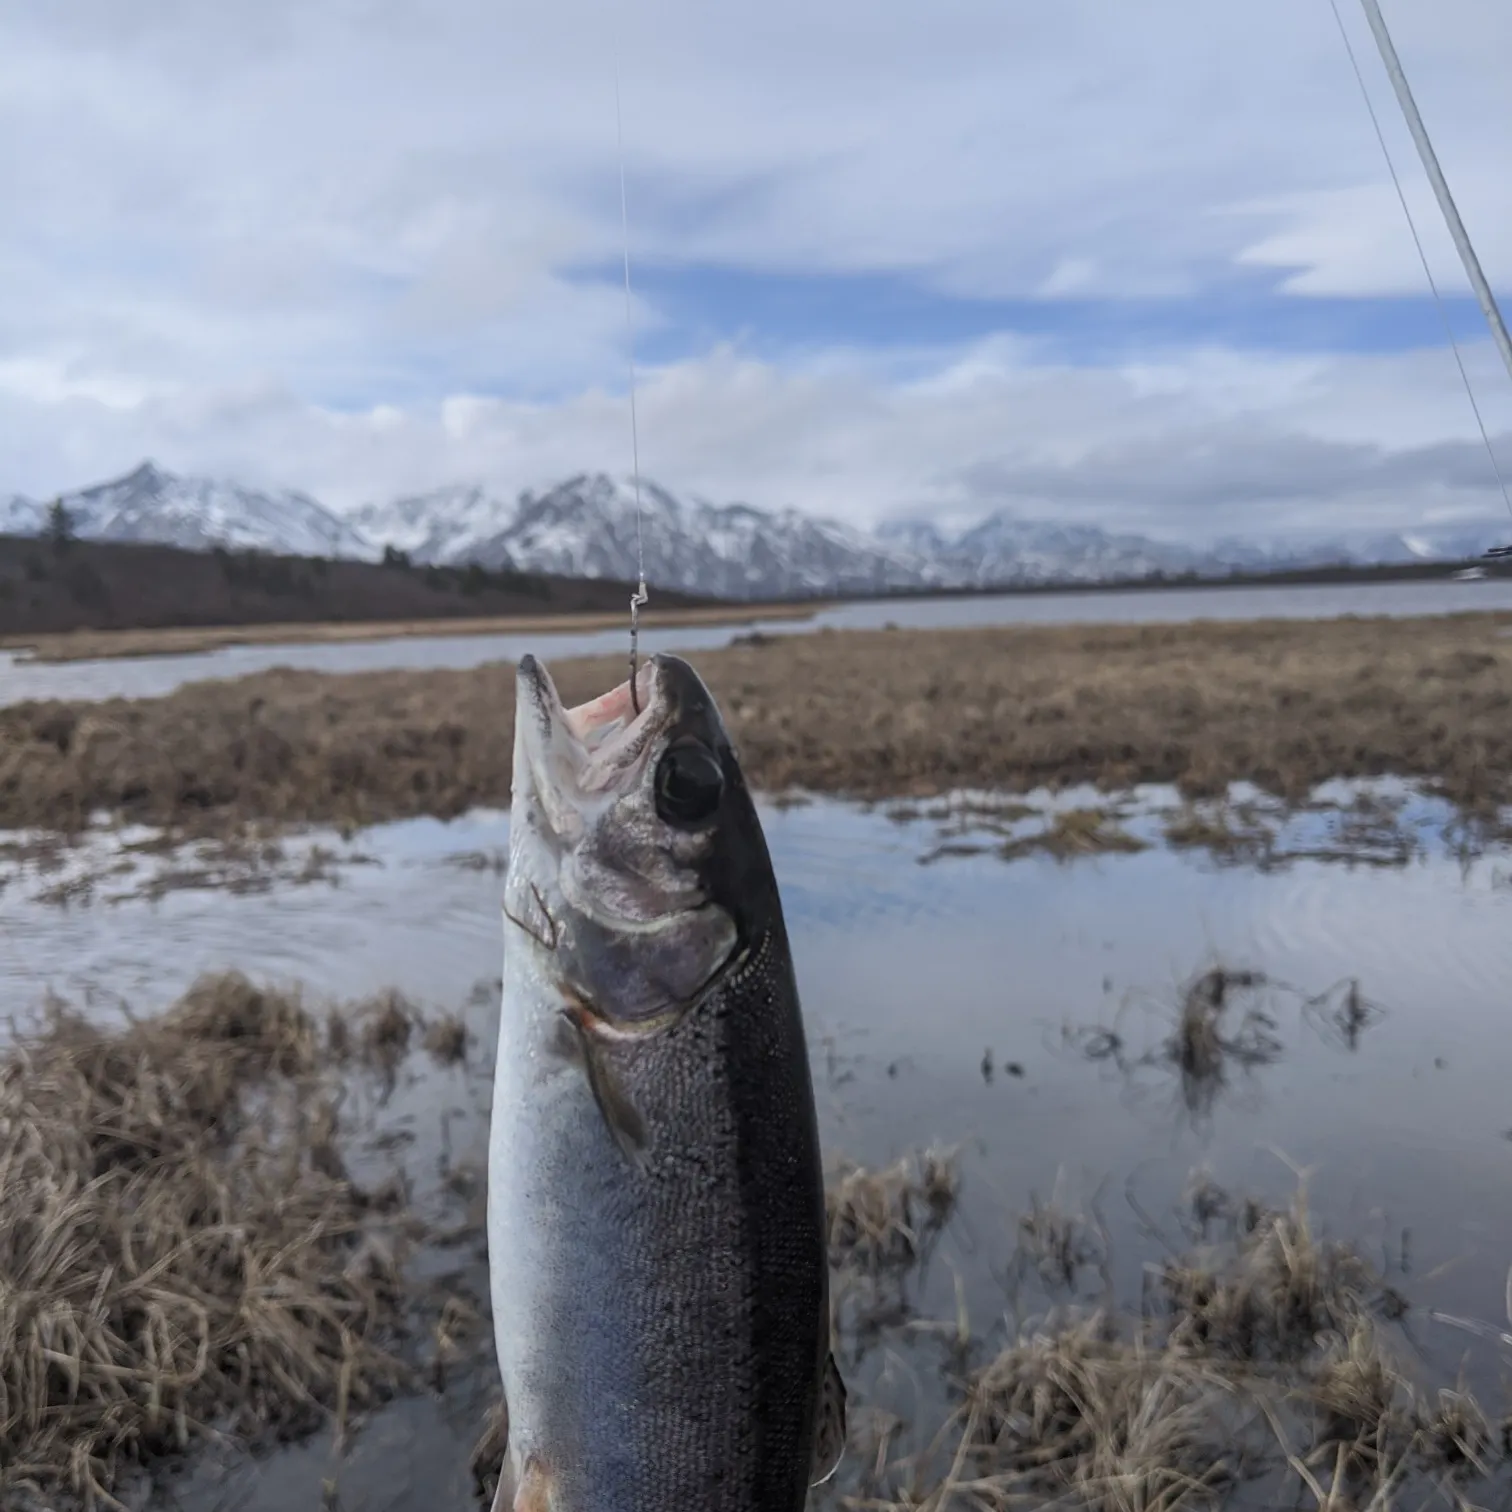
x: 1285, y: 705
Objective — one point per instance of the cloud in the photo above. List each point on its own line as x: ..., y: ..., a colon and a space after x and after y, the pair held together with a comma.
x: 1196, y: 445
x: 373, y: 245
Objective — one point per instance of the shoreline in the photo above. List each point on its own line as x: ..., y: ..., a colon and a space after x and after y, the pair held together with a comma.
x: 52, y: 647
x: 194, y: 640
x: 1285, y: 705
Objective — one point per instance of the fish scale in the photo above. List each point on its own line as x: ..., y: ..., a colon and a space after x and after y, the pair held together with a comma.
x: 656, y: 1204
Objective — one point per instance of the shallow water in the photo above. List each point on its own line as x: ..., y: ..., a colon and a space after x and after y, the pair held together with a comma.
x: 153, y: 676
x: 911, y: 973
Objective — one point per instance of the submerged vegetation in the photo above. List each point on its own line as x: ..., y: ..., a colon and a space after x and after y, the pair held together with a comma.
x: 187, y: 1258
x: 183, y: 1253
x: 1285, y: 705
x: 1267, y: 1368
x: 1220, y: 1025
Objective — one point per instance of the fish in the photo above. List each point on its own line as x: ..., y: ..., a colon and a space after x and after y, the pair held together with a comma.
x: 659, y: 1270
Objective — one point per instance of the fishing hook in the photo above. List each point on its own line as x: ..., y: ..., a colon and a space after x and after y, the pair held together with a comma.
x: 637, y: 599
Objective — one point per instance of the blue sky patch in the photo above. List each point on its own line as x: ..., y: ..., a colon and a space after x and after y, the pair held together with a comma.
x: 774, y: 314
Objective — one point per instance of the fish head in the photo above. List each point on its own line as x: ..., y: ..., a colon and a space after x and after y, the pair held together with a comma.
x: 638, y: 871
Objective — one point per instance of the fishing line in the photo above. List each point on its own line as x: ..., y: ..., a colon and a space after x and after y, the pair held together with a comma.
x: 1417, y: 241
x: 639, y: 597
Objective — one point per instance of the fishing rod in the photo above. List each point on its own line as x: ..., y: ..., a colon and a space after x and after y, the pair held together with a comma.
x: 1461, y: 237
x: 1478, y: 281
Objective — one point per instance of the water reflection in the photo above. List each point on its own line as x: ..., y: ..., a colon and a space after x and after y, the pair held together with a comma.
x: 912, y: 973
x: 1349, y: 1023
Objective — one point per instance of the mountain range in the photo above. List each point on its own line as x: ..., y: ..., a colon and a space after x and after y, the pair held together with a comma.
x: 587, y: 527
x: 196, y: 513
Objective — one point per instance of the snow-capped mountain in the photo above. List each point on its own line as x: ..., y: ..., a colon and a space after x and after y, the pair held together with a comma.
x: 586, y: 527
x: 1002, y: 549
x: 917, y: 537
x: 20, y: 515
x: 150, y: 504
x: 441, y: 526
x: 1429, y: 543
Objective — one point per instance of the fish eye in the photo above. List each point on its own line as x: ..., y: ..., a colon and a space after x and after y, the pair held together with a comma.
x: 689, y: 784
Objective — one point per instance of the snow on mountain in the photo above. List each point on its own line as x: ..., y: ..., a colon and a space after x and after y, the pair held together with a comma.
x: 441, y: 526
x: 1002, y: 549
x: 917, y: 537
x: 1428, y: 543
x: 150, y: 504
x: 21, y: 516
x: 586, y: 527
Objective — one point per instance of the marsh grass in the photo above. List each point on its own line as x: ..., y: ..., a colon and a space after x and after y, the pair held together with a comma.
x: 1221, y: 1026
x: 151, y: 868
x: 1230, y: 832
x: 1058, y: 1244
x: 1262, y: 1371
x: 1072, y: 833
x: 446, y: 1039
x: 181, y: 1256
x: 883, y: 1219
x: 1282, y: 1291
x: 385, y: 1026
x: 184, y: 1256
x: 1286, y: 705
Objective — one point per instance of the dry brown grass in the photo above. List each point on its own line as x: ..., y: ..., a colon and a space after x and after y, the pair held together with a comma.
x: 1083, y: 1417
x: 1283, y: 1295
x: 1220, y: 1027
x: 1072, y: 833
x: 1058, y: 1244
x: 1283, y: 704
x: 1262, y: 1373
x: 181, y: 1252
x: 446, y: 1039
x: 1232, y: 832
x: 878, y: 1219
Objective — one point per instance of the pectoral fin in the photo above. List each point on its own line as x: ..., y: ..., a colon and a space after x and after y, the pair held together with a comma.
x: 534, y: 1494
x: 829, y: 1437
x: 496, y: 1441
x: 618, y: 1112
x: 529, y: 1492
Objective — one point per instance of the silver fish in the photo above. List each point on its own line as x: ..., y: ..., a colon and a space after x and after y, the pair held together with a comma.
x: 656, y: 1229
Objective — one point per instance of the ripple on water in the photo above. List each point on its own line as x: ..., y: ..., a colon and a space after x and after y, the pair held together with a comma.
x: 938, y: 999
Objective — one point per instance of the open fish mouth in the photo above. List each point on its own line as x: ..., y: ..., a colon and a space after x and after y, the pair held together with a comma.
x: 591, y: 748
x: 618, y: 833
x: 596, y: 722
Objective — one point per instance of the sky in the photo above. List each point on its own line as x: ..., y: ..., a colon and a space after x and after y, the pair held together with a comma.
x: 1140, y: 266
